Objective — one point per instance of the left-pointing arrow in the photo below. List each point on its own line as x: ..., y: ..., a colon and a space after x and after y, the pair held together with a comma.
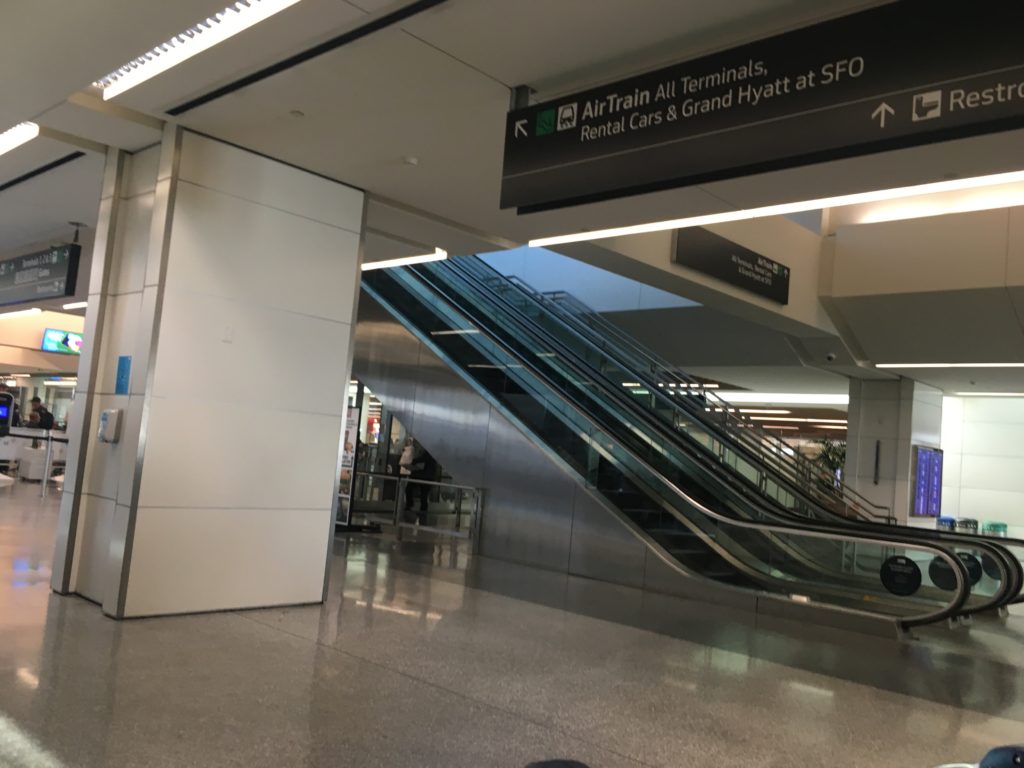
x: 520, y: 128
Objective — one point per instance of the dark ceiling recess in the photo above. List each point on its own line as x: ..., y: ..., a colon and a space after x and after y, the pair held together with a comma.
x: 335, y: 42
x: 41, y: 170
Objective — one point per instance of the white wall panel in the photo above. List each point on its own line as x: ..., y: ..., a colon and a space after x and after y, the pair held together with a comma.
x: 93, y: 566
x: 103, y: 460
x: 220, y: 454
x: 128, y: 268
x: 244, y: 350
x: 303, y: 266
x: 270, y: 184
x: 901, y: 256
x: 197, y: 559
x: 120, y: 331
x: 983, y: 475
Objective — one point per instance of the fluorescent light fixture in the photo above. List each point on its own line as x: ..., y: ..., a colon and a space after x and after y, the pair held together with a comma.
x: 787, y: 398
x: 765, y: 411
x: 225, y: 24
x: 76, y: 305
x: 21, y: 313
x: 949, y: 365
x: 797, y: 418
x: 830, y: 426
x: 16, y: 136
x: 455, y: 332
x: 439, y: 254
x: 61, y: 383
x: 11, y: 382
x: 777, y: 426
x: 989, y: 394
x: 631, y: 384
x: 783, y: 209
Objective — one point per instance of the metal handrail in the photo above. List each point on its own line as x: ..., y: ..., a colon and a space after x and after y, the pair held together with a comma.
x: 800, y: 484
x: 742, y: 427
x: 1010, y: 565
x: 727, y: 410
x: 818, y: 531
x: 994, y: 548
x: 475, y: 514
x: 388, y: 476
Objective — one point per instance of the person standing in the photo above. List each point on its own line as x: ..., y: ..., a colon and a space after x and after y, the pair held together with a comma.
x: 43, y: 419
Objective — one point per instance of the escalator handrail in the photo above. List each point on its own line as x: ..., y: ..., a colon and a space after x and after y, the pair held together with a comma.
x: 953, y: 608
x: 858, y: 502
x: 1012, y: 587
x: 852, y: 498
x: 1012, y: 579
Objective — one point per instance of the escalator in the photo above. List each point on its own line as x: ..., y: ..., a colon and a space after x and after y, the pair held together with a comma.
x: 714, y: 531
x: 739, y: 450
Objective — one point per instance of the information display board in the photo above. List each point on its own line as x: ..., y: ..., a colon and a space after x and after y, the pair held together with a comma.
x: 48, y: 274
x: 901, y: 74
x: 927, y: 501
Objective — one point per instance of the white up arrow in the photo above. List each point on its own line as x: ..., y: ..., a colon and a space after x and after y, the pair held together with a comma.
x: 881, y: 111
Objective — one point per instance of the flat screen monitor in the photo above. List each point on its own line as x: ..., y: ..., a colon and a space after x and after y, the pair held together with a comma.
x: 67, y: 342
x: 927, y: 501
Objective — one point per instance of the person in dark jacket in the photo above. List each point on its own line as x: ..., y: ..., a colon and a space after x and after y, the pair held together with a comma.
x: 422, y: 467
x: 45, y: 418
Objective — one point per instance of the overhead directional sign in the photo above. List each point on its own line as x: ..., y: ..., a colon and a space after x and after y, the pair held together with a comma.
x: 714, y: 255
x: 902, y: 74
x: 42, y: 275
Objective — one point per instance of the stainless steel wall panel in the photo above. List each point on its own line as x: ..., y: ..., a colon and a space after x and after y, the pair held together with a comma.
x: 602, y: 547
x: 387, y: 358
x: 454, y: 417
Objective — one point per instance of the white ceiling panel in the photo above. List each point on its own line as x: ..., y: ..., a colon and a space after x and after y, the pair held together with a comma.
x: 51, y: 48
x: 291, y: 31
x: 40, y: 208
x: 551, y: 45
x: 99, y: 126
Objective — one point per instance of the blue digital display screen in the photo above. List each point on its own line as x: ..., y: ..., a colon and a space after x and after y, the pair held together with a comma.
x: 5, y: 411
x: 927, y: 482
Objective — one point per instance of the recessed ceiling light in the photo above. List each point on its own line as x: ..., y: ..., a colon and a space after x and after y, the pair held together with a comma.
x: 895, y: 193
x: 225, y: 24
x: 439, y: 254
x: 16, y: 136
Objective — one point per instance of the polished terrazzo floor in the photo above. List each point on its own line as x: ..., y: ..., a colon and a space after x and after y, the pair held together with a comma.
x: 422, y: 657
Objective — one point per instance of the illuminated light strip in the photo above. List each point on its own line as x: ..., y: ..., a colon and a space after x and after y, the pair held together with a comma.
x: 14, y: 137
x: 783, y: 209
x: 789, y: 398
x: 21, y: 313
x: 455, y: 332
x: 797, y: 418
x: 225, y: 24
x: 949, y: 365
x: 439, y: 254
x: 830, y: 426
x: 989, y: 394
x: 76, y: 305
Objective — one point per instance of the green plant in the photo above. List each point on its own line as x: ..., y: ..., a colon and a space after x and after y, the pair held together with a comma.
x: 832, y: 457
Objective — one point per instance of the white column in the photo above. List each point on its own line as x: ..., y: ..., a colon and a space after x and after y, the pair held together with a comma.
x: 888, y: 418
x: 223, y: 491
